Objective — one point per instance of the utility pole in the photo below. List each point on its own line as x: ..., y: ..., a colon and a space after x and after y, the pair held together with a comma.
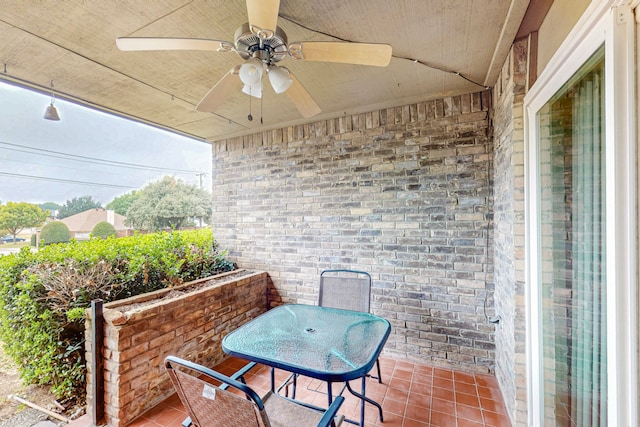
x: 200, y: 175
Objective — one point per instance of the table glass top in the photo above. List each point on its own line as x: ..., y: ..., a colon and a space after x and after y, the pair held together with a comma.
x: 321, y: 342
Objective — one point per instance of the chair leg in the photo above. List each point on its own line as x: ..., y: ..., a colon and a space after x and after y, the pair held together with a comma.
x: 294, y: 383
x: 291, y: 380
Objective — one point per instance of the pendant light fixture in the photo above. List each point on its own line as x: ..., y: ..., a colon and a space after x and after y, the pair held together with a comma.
x: 51, y: 113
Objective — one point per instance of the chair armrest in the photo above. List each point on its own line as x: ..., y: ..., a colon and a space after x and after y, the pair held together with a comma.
x: 331, y: 412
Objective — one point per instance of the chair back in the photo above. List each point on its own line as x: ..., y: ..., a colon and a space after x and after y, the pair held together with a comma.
x: 346, y: 289
x: 208, y: 398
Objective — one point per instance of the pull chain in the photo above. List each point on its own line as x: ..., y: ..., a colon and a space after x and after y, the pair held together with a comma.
x: 250, y: 117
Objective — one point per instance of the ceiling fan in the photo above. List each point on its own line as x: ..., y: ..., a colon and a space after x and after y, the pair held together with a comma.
x: 261, y: 43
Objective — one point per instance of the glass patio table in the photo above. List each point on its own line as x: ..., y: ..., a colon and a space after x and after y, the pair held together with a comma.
x: 328, y: 344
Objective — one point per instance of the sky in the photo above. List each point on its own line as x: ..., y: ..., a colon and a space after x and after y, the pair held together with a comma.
x: 87, y: 152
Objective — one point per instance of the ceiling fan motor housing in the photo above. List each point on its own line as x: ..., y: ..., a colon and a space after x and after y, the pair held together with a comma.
x: 274, y: 48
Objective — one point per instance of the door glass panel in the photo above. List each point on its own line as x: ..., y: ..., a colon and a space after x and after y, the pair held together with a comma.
x: 572, y: 218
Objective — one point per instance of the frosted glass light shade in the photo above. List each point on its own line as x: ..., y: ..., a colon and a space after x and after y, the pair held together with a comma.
x: 254, y: 90
x: 279, y: 78
x: 251, y: 71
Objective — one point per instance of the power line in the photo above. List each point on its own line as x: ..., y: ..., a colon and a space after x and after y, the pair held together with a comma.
x: 74, y: 157
x: 414, y: 60
x: 66, y: 181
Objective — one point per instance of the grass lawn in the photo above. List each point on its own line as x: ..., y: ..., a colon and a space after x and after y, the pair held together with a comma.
x: 14, y: 245
x: 7, y: 248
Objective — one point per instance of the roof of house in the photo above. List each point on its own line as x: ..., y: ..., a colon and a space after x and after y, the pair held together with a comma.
x: 85, y: 221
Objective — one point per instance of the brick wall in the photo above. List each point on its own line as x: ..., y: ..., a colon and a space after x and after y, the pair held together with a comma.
x: 509, y: 226
x: 403, y: 193
x: 192, y: 325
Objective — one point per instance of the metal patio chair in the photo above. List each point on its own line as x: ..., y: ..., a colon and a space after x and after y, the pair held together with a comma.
x: 345, y: 289
x: 212, y: 399
x: 349, y: 290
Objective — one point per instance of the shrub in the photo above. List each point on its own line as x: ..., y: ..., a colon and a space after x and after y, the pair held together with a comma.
x: 103, y: 229
x: 33, y: 240
x: 54, y: 232
x: 43, y: 295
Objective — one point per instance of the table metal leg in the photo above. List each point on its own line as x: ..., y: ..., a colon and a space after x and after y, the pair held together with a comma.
x: 365, y: 398
x: 364, y: 383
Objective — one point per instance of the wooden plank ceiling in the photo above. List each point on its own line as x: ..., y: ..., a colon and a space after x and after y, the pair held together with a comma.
x: 72, y: 42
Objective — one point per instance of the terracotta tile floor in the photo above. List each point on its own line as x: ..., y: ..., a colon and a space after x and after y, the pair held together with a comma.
x: 412, y: 395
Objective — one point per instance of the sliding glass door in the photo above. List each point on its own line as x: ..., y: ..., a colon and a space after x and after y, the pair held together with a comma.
x: 573, y: 267
x: 582, y: 226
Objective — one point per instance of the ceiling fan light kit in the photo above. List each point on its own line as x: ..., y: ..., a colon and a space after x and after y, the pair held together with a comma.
x: 261, y: 43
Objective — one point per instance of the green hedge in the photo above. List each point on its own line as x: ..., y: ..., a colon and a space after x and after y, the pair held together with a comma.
x: 55, y: 232
x: 43, y: 295
x: 102, y: 230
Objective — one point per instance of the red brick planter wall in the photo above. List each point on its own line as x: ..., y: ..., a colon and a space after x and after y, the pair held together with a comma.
x: 140, y: 332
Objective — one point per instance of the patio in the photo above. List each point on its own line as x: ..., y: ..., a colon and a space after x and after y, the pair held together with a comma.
x: 412, y: 395
x: 433, y: 188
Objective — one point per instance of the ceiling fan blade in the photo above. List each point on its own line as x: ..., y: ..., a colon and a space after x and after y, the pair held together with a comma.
x: 168, y: 43
x: 345, y: 52
x: 221, y: 91
x: 302, y: 99
x: 263, y: 14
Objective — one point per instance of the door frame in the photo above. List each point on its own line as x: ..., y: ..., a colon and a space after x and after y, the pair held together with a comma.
x: 613, y: 24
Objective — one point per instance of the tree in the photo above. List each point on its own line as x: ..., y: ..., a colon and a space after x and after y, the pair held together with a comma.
x: 52, y: 207
x: 55, y: 232
x: 15, y: 217
x: 168, y: 203
x: 77, y: 205
x: 121, y: 204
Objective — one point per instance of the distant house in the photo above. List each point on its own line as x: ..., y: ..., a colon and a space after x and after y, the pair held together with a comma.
x: 81, y: 224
